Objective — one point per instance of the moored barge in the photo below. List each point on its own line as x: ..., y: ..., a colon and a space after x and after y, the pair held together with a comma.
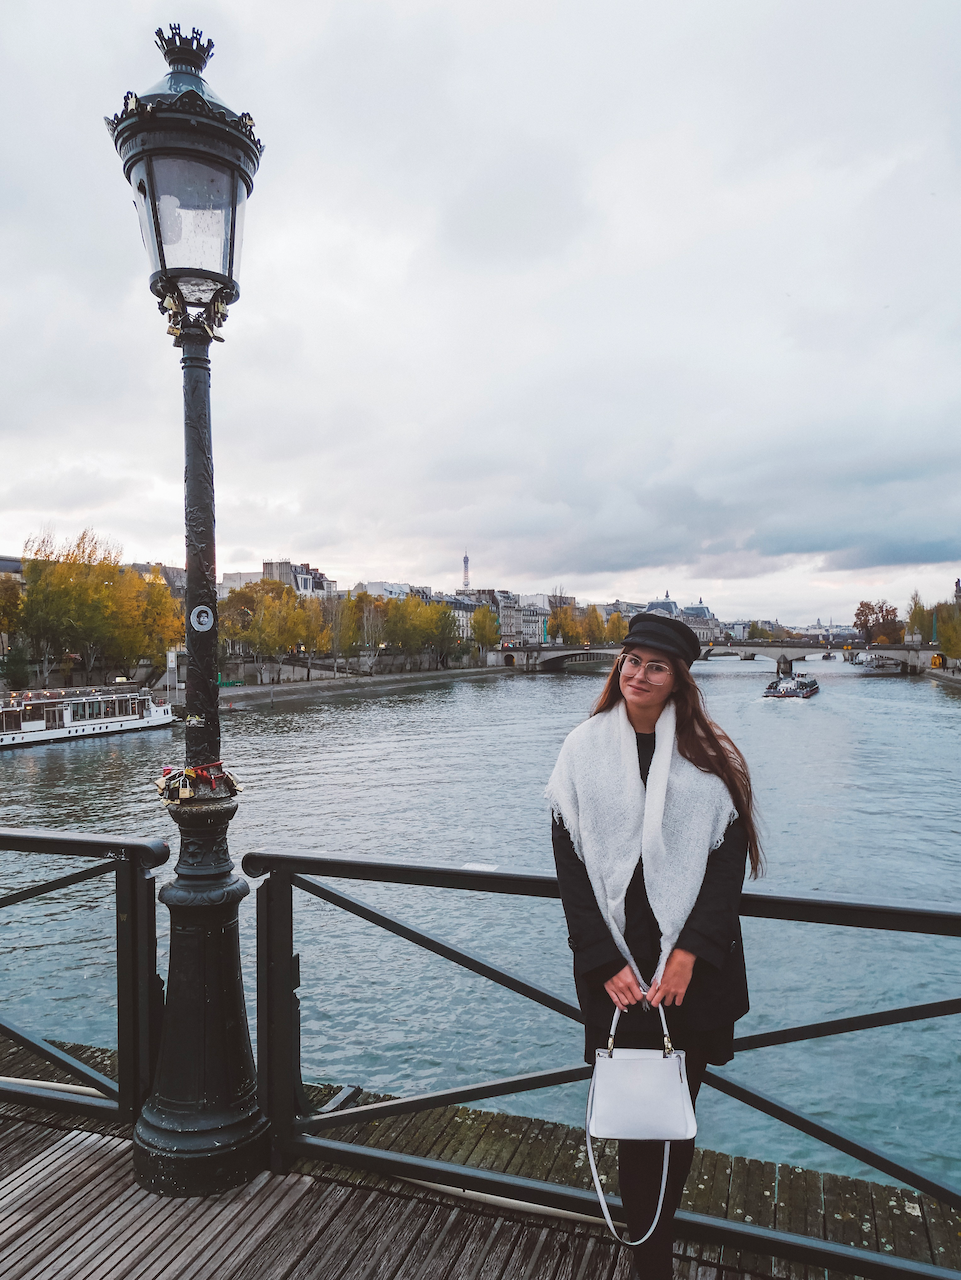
x: 53, y: 715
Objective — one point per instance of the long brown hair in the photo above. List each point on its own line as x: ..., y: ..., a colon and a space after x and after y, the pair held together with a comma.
x: 702, y: 742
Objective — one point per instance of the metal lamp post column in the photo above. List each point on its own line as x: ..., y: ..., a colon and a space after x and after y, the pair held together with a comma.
x: 201, y: 1130
x: 190, y: 161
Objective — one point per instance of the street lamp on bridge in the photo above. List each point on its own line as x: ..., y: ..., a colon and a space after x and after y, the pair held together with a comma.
x: 191, y: 162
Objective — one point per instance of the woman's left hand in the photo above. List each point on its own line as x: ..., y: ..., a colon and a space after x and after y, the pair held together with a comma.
x: 675, y: 979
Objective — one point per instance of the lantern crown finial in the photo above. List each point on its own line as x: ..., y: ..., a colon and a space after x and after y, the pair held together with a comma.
x: 187, y: 53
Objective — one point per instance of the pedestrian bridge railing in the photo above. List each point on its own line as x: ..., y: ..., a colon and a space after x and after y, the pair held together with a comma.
x: 139, y: 987
x: 297, y: 1131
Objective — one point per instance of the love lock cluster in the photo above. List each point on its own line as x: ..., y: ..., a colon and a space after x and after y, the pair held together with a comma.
x: 180, y: 786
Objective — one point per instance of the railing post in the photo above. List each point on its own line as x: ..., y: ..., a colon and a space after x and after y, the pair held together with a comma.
x: 276, y: 980
x: 139, y: 986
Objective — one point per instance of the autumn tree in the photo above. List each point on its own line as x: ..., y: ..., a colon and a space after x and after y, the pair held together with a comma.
x: 314, y: 634
x: 444, y: 631
x: 878, y: 622
x: 616, y: 629
x: 593, y: 625
x: 919, y: 618
x: 343, y: 620
x: 79, y: 597
x: 264, y: 615
x: 11, y: 604
x: 142, y: 620
x: 570, y: 625
x: 371, y: 617
x: 485, y: 628
x: 756, y: 632
x: 43, y: 618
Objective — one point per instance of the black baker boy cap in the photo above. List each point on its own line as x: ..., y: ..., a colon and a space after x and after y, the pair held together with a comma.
x: 656, y: 631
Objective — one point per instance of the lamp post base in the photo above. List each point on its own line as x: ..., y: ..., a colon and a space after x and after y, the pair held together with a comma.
x: 201, y: 1130
x: 174, y: 1163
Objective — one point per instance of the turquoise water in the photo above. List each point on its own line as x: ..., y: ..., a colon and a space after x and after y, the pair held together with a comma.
x: 858, y: 791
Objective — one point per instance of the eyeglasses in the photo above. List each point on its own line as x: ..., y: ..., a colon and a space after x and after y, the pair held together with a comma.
x: 655, y: 672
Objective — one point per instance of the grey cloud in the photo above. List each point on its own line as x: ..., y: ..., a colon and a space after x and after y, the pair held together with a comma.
x: 526, y: 205
x: 594, y: 292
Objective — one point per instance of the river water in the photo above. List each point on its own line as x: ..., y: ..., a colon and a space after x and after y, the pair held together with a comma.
x: 859, y: 791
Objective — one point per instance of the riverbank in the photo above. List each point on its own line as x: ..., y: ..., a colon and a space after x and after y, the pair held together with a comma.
x: 950, y: 676
x: 317, y: 690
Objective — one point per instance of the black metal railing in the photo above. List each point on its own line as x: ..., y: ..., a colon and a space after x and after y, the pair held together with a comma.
x: 296, y: 1129
x: 139, y: 987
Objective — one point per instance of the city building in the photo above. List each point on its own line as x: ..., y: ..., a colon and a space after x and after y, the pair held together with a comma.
x: 463, y: 611
x: 626, y: 608
x: 697, y: 616
x: 301, y: 577
x: 702, y: 622
x: 11, y: 567
x: 394, y: 590
x: 509, y: 612
x: 234, y: 581
x: 547, y: 600
x: 173, y: 575
x: 535, y: 617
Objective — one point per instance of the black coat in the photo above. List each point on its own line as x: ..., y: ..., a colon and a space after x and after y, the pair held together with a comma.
x: 717, y: 995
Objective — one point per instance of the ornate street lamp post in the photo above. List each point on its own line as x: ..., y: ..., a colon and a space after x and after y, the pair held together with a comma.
x: 191, y: 162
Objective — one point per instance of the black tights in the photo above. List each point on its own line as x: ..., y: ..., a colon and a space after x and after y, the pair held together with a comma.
x: 640, y: 1166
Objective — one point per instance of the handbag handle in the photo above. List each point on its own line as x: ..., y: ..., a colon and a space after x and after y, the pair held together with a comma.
x: 668, y: 1047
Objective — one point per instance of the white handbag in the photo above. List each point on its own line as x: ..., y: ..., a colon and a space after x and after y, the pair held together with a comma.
x: 639, y: 1095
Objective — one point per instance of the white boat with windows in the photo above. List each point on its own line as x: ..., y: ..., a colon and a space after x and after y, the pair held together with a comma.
x: 54, y: 715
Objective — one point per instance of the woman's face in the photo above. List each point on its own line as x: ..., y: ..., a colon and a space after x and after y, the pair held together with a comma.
x: 644, y: 690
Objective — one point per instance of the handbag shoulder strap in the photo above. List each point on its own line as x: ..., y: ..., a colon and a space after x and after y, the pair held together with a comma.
x: 600, y: 1190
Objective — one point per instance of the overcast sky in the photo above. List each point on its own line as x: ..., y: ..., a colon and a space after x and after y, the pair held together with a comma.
x: 620, y: 296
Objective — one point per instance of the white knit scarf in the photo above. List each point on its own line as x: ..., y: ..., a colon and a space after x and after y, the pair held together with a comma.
x: 672, y: 825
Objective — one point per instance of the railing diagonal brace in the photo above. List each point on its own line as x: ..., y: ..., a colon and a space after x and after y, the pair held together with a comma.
x: 50, y: 1053
x: 833, y: 1138
x: 443, y: 1098
x: 50, y: 886
x: 481, y: 967
x: 838, y: 1026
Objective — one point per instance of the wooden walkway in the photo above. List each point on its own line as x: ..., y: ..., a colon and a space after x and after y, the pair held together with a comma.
x: 69, y: 1208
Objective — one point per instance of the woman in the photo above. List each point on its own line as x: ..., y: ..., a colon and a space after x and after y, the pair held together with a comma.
x: 653, y: 822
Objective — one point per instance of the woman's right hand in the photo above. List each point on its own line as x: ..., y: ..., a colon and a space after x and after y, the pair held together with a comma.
x: 624, y: 988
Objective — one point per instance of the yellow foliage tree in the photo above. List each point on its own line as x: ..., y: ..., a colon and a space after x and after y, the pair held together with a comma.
x: 616, y: 629
x: 79, y: 597
x: 593, y: 625
x: 485, y: 628
x: 570, y: 625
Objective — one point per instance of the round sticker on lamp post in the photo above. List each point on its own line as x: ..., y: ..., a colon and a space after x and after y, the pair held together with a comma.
x: 202, y: 618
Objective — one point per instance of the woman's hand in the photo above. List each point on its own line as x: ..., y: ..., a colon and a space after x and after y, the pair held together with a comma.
x: 624, y: 989
x: 675, y: 980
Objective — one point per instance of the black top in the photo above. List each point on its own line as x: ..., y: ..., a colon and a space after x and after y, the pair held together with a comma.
x: 717, y: 995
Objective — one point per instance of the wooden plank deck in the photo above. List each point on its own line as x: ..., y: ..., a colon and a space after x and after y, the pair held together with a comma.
x: 70, y: 1209
x: 66, y: 1186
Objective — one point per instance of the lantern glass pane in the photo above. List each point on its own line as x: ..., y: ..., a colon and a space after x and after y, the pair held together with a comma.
x: 239, y: 231
x: 141, y: 197
x: 194, y: 201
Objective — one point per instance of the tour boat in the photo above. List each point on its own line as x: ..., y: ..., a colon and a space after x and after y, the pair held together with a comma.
x: 792, y: 687
x: 52, y: 715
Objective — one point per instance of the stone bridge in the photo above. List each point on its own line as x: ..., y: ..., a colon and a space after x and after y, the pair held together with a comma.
x: 783, y: 652
x: 912, y: 657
